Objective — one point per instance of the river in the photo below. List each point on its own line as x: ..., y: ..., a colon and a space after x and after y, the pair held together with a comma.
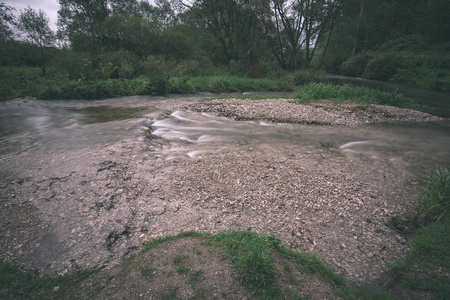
x: 89, y: 181
x: 76, y: 125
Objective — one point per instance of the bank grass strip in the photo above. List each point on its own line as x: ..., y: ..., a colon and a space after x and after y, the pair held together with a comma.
x: 251, y: 255
x: 26, y: 285
x: 427, y: 264
x: 313, y: 92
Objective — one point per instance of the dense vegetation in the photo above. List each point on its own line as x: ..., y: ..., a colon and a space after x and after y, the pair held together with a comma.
x: 427, y: 264
x: 111, y: 47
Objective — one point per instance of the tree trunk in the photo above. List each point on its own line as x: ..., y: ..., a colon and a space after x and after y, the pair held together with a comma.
x: 357, y: 28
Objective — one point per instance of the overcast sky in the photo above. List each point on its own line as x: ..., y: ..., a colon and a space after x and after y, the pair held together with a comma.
x: 50, y: 7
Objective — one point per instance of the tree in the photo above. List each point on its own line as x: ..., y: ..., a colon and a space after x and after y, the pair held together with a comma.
x: 233, y: 23
x: 34, y: 26
x: 140, y: 36
x: 6, y: 18
x: 78, y: 20
x: 292, y: 25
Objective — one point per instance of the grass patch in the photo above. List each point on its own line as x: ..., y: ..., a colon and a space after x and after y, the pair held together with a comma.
x: 146, y: 271
x: 182, y: 269
x: 427, y: 263
x: 250, y: 255
x: 355, y: 94
x: 310, y: 264
x: 227, y: 84
x: 26, y: 285
x: 169, y: 294
x: 16, y: 82
x: 434, y: 207
x: 195, y: 278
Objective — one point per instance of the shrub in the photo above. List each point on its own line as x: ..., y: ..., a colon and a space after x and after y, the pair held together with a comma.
x: 435, y: 203
x: 382, y: 67
x: 355, y: 65
x: 356, y: 94
x: 75, y: 65
x: 118, y: 64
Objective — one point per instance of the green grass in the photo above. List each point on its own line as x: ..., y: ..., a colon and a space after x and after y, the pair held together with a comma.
x: 430, y: 253
x: 26, y: 285
x: 227, y: 84
x: 432, y: 243
x: 182, y: 269
x: 16, y: 82
x: 251, y: 255
x: 252, y: 259
x: 169, y: 294
x: 435, y: 204
x: 195, y: 278
x: 355, y: 94
x: 254, y: 96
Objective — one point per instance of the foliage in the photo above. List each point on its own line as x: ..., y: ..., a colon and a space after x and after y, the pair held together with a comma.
x: 6, y: 17
x: 36, y: 30
x: 253, y: 261
x: 434, y: 206
x: 355, y: 65
x: 381, y: 67
x: 387, y: 40
x: 170, y: 42
x: 428, y: 260
x: 26, y: 285
x: 354, y: 94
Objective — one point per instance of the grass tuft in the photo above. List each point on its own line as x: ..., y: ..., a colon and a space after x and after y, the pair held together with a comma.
x: 355, y: 94
x: 428, y: 261
x: 26, y: 285
x: 435, y: 204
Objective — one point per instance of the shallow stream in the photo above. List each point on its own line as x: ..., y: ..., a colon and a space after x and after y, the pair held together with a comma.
x: 78, y: 125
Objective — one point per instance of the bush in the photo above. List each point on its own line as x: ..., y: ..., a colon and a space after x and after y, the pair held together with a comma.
x: 356, y: 94
x: 117, y: 65
x: 355, y: 65
x: 74, y: 65
x: 382, y: 67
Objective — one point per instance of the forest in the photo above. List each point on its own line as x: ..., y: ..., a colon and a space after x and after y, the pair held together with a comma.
x: 106, y: 48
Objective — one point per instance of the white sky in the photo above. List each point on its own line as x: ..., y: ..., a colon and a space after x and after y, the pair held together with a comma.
x: 50, y: 7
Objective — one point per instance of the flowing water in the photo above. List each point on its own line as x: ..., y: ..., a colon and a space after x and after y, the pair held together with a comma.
x: 77, y: 125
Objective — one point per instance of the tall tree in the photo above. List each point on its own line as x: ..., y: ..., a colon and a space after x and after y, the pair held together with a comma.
x: 6, y: 18
x: 292, y: 25
x: 35, y: 29
x: 232, y: 22
x: 78, y: 21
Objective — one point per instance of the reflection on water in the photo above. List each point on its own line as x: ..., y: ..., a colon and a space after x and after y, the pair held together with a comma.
x: 103, y: 114
x: 66, y: 125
